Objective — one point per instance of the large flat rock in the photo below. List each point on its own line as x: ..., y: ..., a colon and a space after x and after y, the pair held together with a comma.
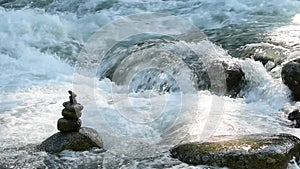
x: 261, y: 151
x: 85, y: 139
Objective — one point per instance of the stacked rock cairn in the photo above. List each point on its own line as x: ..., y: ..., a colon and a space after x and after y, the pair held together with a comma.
x: 71, y: 114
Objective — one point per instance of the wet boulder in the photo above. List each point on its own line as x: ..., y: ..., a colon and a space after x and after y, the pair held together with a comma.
x: 290, y: 75
x: 269, y: 55
x: 85, y: 139
x: 147, y: 66
x: 235, y: 79
x: 267, y: 151
x: 295, y: 116
x: 226, y: 77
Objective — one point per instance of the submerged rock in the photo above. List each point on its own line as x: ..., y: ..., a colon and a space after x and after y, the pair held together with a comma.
x: 290, y: 75
x: 85, y: 139
x: 264, y: 151
x: 294, y: 115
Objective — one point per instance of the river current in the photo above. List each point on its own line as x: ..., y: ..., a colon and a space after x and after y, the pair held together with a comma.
x: 144, y: 95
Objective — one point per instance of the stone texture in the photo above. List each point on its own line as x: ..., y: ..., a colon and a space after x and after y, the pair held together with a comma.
x: 83, y: 140
x: 290, y: 75
x: 295, y: 116
x: 68, y: 125
x: 268, y: 54
x: 235, y: 79
x: 226, y: 77
x: 262, y: 151
x: 71, y: 114
x: 72, y: 107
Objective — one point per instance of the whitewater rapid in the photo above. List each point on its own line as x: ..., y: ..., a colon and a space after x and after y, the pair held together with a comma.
x: 40, y: 43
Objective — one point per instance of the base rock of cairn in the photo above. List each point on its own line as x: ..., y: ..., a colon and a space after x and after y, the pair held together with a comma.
x: 84, y: 139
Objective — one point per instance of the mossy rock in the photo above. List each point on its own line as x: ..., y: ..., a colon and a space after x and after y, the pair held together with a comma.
x: 83, y: 140
x: 261, y: 151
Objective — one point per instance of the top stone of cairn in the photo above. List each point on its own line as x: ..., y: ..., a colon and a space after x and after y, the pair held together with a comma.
x: 72, y: 97
x: 72, y: 104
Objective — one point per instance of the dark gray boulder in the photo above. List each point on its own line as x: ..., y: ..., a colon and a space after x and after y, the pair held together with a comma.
x: 290, y: 75
x: 295, y: 116
x: 235, y: 79
x: 85, y: 139
x: 226, y: 77
x: 263, y: 151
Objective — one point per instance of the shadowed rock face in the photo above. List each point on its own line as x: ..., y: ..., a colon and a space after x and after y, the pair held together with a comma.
x: 226, y: 77
x: 290, y: 75
x: 265, y: 151
x: 295, y: 116
x: 235, y: 78
x: 85, y: 139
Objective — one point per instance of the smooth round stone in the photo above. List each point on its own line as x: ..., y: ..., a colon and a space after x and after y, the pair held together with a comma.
x: 68, y: 125
x: 72, y: 107
x: 71, y: 114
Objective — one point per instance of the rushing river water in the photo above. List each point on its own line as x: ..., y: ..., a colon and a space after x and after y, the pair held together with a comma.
x: 140, y: 113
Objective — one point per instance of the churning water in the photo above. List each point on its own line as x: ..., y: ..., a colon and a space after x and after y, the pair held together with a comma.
x: 149, y: 92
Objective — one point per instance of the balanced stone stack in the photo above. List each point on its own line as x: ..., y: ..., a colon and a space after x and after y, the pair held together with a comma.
x: 71, y: 136
x: 71, y: 114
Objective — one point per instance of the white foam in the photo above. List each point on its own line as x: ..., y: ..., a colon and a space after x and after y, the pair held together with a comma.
x: 34, y: 81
